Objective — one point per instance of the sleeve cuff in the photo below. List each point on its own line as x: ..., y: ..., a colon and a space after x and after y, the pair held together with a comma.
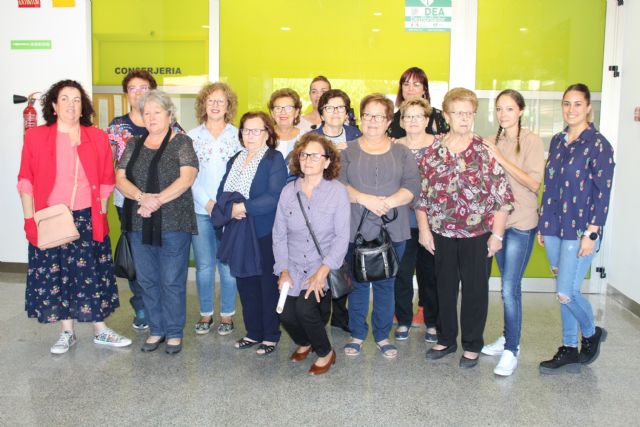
x: 25, y: 186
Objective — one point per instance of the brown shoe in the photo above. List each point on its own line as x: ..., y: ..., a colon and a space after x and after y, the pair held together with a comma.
x: 319, y: 370
x: 299, y: 357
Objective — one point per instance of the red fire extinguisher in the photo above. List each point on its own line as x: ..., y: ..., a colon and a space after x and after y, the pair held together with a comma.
x: 29, y: 114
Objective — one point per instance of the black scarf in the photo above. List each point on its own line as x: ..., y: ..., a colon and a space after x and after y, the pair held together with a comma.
x: 151, y: 227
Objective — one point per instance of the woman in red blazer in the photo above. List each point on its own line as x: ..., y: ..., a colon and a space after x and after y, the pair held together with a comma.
x: 75, y: 280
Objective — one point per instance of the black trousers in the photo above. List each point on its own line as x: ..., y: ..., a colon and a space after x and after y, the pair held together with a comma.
x: 466, y: 261
x: 339, y: 313
x: 416, y: 258
x: 305, y: 321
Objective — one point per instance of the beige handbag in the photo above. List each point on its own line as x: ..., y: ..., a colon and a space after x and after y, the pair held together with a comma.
x: 55, y: 223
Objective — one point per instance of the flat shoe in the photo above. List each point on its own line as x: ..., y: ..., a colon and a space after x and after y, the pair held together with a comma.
x: 299, y: 357
x: 243, y: 343
x: 264, y: 349
x: 148, y: 347
x: 173, y: 348
x: 387, y: 349
x: 356, y: 347
x: 203, y: 327
x: 319, y: 370
x: 467, y: 363
x: 433, y: 354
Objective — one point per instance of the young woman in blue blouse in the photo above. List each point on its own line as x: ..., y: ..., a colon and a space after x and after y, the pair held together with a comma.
x: 575, y: 203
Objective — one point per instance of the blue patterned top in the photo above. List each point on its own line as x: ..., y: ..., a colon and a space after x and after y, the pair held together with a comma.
x: 577, y: 184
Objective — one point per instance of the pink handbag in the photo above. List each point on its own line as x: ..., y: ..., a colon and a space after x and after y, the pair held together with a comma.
x: 55, y: 223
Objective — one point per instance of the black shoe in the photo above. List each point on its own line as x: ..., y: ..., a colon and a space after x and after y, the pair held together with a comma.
x: 433, y: 354
x: 566, y: 359
x: 148, y: 347
x: 591, y: 346
x: 173, y: 348
x: 467, y: 363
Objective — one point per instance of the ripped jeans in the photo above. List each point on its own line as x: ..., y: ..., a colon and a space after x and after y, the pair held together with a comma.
x: 570, y: 271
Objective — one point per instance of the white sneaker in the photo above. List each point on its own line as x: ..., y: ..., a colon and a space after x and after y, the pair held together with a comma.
x: 64, y: 343
x: 508, y: 363
x: 111, y: 338
x: 495, y: 348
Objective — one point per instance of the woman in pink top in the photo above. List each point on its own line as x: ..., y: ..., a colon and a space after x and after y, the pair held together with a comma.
x: 521, y: 155
x: 75, y: 280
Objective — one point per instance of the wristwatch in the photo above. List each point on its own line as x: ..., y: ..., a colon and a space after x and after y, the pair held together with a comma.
x: 592, y: 235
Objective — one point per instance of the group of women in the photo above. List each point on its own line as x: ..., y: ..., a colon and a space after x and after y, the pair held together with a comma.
x: 450, y: 199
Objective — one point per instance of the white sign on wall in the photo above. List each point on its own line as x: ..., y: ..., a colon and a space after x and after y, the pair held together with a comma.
x: 427, y: 15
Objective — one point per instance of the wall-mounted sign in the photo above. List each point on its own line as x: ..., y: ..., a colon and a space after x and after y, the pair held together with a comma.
x: 64, y: 3
x: 427, y: 15
x: 28, y: 3
x: 30, y: 44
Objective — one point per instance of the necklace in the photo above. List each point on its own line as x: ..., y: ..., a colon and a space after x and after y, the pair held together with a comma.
x: 333, y: 136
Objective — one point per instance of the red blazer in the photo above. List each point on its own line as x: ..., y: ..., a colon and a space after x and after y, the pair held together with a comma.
x: 38, y: 166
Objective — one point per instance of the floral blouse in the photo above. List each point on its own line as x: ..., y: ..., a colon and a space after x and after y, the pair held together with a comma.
x: 462, y: 192
x: 577, y: 184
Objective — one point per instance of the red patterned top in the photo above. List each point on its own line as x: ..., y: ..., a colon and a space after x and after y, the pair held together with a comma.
x: 462, y: 192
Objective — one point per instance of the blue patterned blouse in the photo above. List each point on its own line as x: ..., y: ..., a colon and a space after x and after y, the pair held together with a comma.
x: 577, y: 184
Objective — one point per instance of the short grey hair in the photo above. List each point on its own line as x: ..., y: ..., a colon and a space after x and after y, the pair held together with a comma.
x: 162, y: 99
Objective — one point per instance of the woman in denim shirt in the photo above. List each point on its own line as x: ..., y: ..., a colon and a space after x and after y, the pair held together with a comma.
x: 575, y: 203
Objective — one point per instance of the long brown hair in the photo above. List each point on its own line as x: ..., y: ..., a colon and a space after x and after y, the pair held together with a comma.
x: 519, y: 100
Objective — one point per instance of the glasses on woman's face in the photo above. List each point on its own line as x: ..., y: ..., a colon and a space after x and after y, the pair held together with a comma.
x: 407, y: 85
x: 216, y: 102
x: 280, y: 108
x: 416, y: 118
x: 142, y: 88
x: 338, y: 108
x: 373, y: 117
x: 256, y: 132
x: 463, y: 114
x: 314, y: 157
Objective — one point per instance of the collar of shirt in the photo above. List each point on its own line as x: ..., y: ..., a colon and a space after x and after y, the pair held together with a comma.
x: 205, y: 134
x: 585, y: 135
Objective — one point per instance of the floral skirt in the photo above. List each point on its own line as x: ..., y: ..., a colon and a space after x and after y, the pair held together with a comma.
x: 72, y: 281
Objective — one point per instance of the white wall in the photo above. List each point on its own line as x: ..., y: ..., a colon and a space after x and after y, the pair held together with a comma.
x: 26, y: 71
x: 623, y: 233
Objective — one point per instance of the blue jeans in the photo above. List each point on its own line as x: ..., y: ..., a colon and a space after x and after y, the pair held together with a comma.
x: 570, y: 270
x: 205, y: 249
x: 383, y: 303
x: 512, y: 260
x: 162, y: 274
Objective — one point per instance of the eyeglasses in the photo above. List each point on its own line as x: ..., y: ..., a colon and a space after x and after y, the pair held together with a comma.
x: 216, y: 102
x: 137, y: 88
x: 416, y: 118
x: 407, y: 85
x: 285, y: 108
x: 463, y: 114
x: 315, y: 157
x: 375, y: 117
x: 256, y: 132
x: 339, y: 108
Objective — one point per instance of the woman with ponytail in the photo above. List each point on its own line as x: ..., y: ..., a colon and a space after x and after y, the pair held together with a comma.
x: 521, y: 154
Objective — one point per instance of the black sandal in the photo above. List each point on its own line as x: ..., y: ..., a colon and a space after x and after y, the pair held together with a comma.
x: 243, y: 343
x: 264, y: 349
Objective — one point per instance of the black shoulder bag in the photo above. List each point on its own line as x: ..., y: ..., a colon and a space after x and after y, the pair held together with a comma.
x: 339, y: 279
x: 374, y: 259
x: 123, y: 259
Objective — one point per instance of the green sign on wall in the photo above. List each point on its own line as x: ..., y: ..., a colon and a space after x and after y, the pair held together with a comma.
x: 427, y: 15
x: 30, y: 44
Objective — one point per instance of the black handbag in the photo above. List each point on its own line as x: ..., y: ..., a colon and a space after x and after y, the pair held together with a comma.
x: 123, y: 261
x: 339, y: 279
x: 374, y: 259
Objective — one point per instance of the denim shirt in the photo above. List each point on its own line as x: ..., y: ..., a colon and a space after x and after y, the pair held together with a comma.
x: 577, y: 184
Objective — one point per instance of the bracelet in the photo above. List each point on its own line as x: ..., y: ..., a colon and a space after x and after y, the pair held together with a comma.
x: 139, y: 197
x: 497, y: 237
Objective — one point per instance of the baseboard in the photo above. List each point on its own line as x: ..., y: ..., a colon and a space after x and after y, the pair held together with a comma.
x: 624, y: 300
x: 13, y: 267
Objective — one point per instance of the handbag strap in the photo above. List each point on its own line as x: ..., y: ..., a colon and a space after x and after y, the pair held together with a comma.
x: 75, y: 181
x: 306, y: 219
x: 385, y: 219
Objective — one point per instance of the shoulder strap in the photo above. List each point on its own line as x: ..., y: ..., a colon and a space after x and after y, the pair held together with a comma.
x: 75, y: 181
x: 364, y: 214
x: 306, y: 219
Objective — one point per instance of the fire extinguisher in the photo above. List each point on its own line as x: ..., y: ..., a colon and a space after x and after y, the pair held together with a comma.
x: 29, y: 114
